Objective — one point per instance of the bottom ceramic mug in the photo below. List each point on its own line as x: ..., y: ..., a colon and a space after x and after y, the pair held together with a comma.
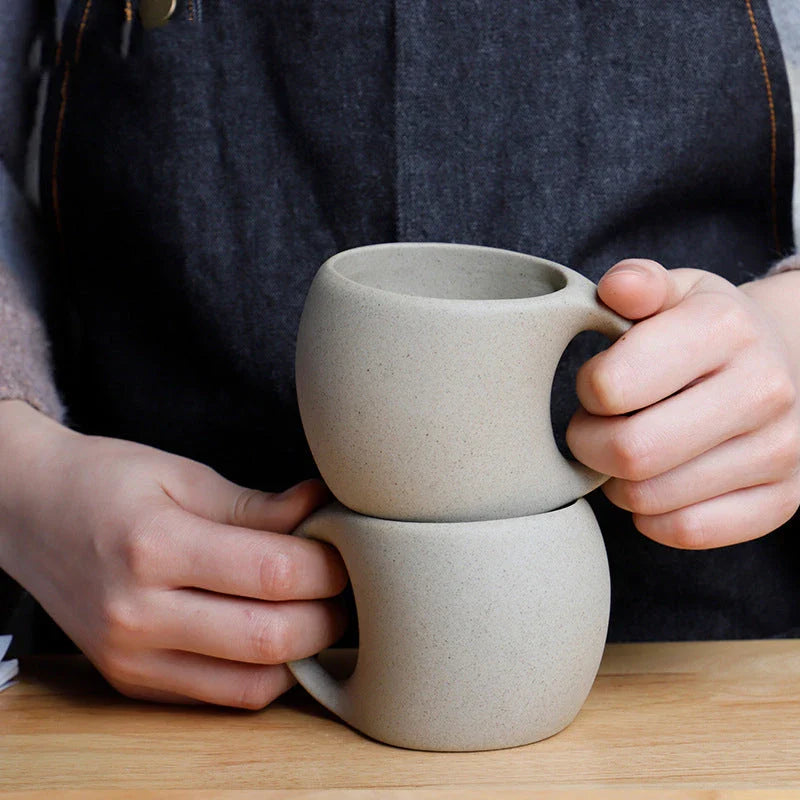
x: 472, y: 635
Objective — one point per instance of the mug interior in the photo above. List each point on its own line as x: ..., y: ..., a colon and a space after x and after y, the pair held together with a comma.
x: 449, y: 272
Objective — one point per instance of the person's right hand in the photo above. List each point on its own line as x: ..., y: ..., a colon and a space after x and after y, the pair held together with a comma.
x: 178, y: 584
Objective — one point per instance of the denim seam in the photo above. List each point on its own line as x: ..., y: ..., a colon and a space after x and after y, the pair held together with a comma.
x: 62, y: 113
x: 86, y: 11
x: 56, y: 149
x: 773, y: 155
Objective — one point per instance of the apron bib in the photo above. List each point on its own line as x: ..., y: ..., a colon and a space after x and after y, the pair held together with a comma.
x: 195, y: 176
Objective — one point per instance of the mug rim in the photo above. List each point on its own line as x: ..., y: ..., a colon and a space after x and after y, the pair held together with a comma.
x: 330, y: 265
x: 488, y: 527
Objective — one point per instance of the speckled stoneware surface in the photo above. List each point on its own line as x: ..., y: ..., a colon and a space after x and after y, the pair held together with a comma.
x: 473, y: 635
x: 424, y: 374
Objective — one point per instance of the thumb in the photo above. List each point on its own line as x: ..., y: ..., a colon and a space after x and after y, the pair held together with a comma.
x: 638, y: 287
x: 207, y: 494
x: 281, y: 513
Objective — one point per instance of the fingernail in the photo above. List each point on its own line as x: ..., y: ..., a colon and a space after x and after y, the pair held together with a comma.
x: 626, y: 270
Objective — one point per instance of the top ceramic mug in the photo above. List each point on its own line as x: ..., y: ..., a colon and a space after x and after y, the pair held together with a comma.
x: 424, y: 374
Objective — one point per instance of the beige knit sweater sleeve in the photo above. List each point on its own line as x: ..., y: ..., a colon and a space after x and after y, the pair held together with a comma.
x: 25, y: 368
x: 786, y: 265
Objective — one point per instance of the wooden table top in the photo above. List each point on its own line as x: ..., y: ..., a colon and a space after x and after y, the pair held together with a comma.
x: 707, y: 720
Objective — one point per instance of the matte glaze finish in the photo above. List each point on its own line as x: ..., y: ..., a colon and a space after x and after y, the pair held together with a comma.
x: 424, y: 374
x: 473, y: 636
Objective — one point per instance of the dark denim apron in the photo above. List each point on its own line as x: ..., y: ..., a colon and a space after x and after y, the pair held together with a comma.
x: 195, y: 177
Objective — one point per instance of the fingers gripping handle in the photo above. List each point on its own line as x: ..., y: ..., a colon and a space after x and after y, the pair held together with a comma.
x: 587, y: 313
x: 310, y: 674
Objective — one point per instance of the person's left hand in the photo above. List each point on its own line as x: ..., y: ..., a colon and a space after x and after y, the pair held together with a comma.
x: 694, y: 412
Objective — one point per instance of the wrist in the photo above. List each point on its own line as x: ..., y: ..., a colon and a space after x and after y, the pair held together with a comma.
x: 26, y: 432
x: 29, y: 441
x: 778, y: 298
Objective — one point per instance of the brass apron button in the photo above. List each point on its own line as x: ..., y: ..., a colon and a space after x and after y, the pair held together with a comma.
x: 155, y: 13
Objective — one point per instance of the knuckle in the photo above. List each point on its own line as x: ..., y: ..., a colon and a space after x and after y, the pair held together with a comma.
x: 242, y: 505
x: 271, y: 642
x: 256, y: 692
x: 631, y: 455
x: 734, y: 321
x: 689, y: 531
x: 118, y: 667
x: 138, y: 556
x: 120, y: 621
x: 638, y: 497
x: 786, y: 450
x: 598, y: 387
x: 194, y: 475
x: 276, y: 574
x: 141, y: 548
x: 777, y: 390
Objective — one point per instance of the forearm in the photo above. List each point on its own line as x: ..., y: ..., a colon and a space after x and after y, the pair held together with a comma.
x: 18, y: 443
x: 25, y: 438
x: 26, y: 384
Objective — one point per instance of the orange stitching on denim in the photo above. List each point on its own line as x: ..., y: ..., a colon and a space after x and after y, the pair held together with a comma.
x: 86, y: 9
x: 61, y: 114
x: 773, y: 155
x: 191, y: 10
x: 57, y: 148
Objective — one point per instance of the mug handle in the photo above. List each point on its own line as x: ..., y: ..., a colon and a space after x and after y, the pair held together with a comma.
x: 310, y: 674
x: 587, y: 314
x: 322, y: 686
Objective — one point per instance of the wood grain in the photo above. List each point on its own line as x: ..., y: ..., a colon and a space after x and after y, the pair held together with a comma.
x: 711, y: 721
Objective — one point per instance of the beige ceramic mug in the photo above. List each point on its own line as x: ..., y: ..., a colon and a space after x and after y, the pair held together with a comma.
x: 472, y: 635
x: 424, y: 374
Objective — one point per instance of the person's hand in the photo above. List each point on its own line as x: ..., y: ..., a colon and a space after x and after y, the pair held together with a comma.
x: 176, y: 583
x: 694, y: 412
